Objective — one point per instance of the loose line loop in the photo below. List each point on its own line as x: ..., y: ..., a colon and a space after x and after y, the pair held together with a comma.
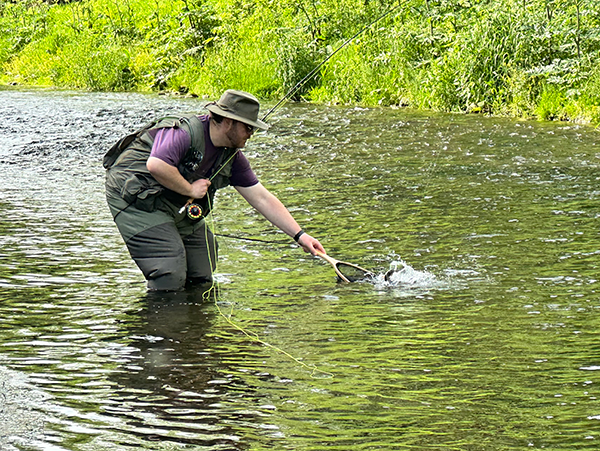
x: 314, y: 371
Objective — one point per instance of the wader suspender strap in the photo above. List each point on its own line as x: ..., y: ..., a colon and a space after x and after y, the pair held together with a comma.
x: 195, y: 154
x: 117, y: 149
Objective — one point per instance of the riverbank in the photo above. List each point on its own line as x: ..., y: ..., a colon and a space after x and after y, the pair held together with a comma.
x: 529, y: 59
x: 20, y: 422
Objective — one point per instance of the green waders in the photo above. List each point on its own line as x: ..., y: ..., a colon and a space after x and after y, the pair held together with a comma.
x: 170, y: 249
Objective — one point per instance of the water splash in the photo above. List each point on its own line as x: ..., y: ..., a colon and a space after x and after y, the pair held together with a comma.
x: 401, y: 274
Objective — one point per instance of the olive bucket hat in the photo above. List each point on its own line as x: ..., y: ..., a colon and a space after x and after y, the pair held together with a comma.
x: 238, y: 105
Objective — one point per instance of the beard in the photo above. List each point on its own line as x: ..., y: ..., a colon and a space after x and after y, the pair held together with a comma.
x: 236, y: 140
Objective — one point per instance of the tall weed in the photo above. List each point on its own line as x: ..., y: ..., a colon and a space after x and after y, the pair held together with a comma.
x: 526, y: 58
x: 247, y: 68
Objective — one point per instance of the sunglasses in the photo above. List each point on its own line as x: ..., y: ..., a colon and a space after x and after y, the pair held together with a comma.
x: 249, y: 128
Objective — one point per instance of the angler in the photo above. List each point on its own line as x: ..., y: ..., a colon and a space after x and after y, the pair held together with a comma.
x: 161, y: 181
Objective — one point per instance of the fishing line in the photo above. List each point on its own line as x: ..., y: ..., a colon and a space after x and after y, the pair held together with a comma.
x: 252, y: 335
x: 308, y: 76
x: 242, y: 238
x: 314, y: 371
x: 302, y: 82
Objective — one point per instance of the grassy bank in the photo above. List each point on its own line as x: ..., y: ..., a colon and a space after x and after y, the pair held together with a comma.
x: 525, y: 58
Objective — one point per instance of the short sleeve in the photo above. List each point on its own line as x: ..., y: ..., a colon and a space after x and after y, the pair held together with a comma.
x: 170, y: 145
x: 241, y: 172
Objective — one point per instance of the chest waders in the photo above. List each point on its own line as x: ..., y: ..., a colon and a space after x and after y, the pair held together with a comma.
x: 130, y: 186
x: 170, y: 247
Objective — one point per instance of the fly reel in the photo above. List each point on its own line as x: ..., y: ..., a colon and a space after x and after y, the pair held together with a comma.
x: 194, y: 211
x: 196, y: 208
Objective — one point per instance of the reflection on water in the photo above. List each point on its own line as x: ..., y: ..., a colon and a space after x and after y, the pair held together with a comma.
x: 478, y: 331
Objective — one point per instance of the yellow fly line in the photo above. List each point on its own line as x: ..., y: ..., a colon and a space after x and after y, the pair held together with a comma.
x: 314, y: 371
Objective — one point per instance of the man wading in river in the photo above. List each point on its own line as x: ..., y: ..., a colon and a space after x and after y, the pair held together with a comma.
x: 161, y: 182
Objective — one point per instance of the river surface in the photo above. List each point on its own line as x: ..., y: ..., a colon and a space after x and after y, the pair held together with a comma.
x: 485, y: 338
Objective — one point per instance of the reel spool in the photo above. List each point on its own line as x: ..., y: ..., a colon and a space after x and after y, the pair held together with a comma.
x: 194, y: 211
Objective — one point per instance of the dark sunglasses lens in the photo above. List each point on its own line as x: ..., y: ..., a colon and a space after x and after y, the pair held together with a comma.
x: 249, y: 128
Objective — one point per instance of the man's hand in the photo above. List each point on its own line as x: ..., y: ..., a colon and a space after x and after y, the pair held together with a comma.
x: 170, y: 177
x: 310, y: 244
x: 199, y: 188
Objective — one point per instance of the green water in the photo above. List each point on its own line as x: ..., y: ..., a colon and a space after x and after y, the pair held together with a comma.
x: 487, y: 340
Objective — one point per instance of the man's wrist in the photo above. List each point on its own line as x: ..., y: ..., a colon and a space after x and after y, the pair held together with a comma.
x: 298, y: 235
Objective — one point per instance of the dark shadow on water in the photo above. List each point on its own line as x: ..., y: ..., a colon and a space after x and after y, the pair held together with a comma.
x: 177, y: 388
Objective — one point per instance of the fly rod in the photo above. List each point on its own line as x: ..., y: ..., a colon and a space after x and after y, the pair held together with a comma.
x: 308, y: 76
x: 194, y: 210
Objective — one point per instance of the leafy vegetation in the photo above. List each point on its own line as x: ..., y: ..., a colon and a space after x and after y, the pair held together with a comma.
x: 516, y: 57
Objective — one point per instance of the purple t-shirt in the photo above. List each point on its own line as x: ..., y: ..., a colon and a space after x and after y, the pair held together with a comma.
x: 171, y: 144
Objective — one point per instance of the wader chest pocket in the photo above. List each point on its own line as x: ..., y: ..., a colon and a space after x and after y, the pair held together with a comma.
x: 144, y: 197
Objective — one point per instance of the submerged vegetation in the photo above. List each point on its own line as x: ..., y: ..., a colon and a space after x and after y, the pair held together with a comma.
x: 527, y: 58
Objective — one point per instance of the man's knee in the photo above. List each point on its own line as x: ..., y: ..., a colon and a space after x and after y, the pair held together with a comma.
x: 163, y: 273
x: 161, y: 256
x: 202, y: 254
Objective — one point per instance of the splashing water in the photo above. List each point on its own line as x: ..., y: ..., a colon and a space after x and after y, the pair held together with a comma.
x: 402, y: 274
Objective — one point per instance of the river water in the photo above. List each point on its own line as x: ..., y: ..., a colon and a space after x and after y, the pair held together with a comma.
x: 485, y: 338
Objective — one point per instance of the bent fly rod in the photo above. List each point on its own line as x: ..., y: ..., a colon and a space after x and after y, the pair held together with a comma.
x: 194, y: 210
x: 308, y: 76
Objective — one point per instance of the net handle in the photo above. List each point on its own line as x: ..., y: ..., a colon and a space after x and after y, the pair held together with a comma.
x: 335, y: 263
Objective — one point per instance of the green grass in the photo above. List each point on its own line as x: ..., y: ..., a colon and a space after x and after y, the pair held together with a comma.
x: 530, y: 59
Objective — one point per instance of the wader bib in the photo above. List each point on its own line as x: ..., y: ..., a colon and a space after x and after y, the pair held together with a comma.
x: 160, y: 238
x: 132, y: 192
